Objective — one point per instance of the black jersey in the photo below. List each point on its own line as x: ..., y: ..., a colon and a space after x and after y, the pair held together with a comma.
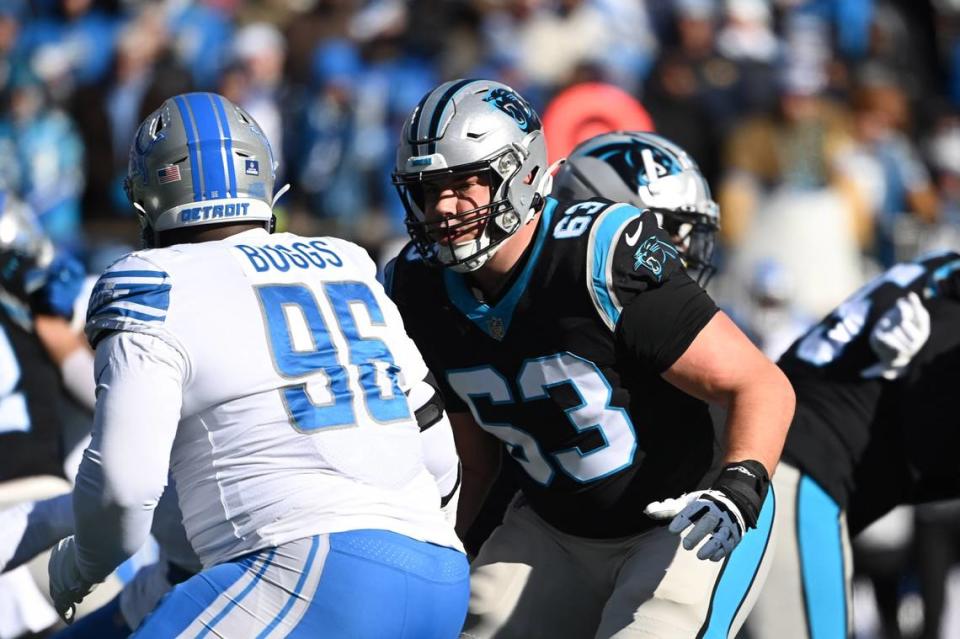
x: 850, y: 421
x: 30, y: 408
x: 564, y: 368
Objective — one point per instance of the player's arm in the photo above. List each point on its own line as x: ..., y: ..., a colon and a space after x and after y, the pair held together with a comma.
x: 436, y: 438
x: 70, y: 352
x: 668, y: 325
x: 61, y: 299
x: 124, y: 470
x: 480, y: 455
x: 723, y: 367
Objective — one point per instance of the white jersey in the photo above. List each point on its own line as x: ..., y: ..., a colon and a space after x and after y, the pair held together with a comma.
x: 294, y: 420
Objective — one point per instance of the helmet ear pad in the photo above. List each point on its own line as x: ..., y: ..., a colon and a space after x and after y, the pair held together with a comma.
x: 531, y: 182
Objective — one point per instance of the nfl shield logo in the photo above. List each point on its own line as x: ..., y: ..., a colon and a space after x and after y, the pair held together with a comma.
x: 168, y: 174
x: 495, y: 324
x: 252, y: 167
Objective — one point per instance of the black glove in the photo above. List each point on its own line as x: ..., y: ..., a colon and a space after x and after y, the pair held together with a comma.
x: 745, y: 483
x: 20, y: 276
x: 725, y: 511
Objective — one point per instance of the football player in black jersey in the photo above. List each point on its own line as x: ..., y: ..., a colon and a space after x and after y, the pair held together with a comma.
x: 875, y: 384
x: 568, y: 334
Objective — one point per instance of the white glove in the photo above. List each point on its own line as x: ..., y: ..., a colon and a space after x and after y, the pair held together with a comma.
x: 67, y: 587
x: 899, y: 335
x: 710, y: 512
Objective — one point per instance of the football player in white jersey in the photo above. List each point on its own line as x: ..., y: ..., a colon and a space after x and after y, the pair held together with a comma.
x: 269, y: 374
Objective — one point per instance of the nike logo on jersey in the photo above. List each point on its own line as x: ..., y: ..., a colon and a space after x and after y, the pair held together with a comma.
x: 633, y: 238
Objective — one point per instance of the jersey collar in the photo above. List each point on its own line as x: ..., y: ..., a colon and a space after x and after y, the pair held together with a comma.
x: 495, y: 320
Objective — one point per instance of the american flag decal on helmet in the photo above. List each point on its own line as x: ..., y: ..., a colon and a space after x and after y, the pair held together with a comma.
x: 168, y: 174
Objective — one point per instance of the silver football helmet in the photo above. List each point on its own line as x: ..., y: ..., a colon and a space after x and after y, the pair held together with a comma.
x: 650, y: 172
x: 200, y: 159
x: 25, y: 256
x: 464, y: 128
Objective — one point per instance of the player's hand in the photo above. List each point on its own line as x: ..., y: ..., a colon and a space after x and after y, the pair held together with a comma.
x: 724, y: 512
x: 59, y: 292
x: 67, y: 587
x: 899, y: 335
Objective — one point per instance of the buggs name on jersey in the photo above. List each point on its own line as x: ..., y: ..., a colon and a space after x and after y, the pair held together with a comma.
x: 281, y: 258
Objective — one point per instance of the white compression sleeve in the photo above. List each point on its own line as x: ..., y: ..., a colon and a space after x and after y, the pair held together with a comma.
x: 124, y: 470
x: 77, y: 372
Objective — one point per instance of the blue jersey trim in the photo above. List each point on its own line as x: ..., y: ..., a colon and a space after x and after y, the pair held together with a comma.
x: 932, y: 289
x: 128, y: 314
x: 603, y: 239
x: 486, y: 317
x: 820, y: 542
x: 116, y: 291
x: 115, y: 274
x: 739, y: 573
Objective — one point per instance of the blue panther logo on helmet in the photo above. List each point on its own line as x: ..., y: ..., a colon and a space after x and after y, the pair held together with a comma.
x: 628, y: 161
x: 516, y: 107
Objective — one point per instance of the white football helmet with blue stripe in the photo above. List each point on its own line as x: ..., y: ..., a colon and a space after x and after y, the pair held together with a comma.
x: 464, y: 128
x: 650, y: 172
x: 200, y: 159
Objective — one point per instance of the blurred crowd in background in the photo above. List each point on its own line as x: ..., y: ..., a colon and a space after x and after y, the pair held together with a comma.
x: 829, y: 130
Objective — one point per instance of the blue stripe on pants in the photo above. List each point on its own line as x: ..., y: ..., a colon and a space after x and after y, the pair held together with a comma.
x: 296, y: 591
x: 821, y: 561
x: 739, y: 572
x: 182, y: 605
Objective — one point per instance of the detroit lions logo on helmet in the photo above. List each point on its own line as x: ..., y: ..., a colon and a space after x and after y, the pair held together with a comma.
x: 653, y: 255
x: 516, y: 107
x: 148, y: 135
